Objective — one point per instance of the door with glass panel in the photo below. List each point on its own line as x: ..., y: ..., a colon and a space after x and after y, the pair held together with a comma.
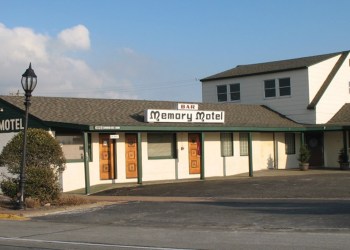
x: 106, y: 157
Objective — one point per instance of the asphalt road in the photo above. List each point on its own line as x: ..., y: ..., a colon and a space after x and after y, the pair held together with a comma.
x: 274, y: 210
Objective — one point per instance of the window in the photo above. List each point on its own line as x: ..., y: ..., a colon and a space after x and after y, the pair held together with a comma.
x: 161, y: 146
x: 290, y: 143
x: 222, y: 93
x: 235, y: 92
x: 73, y: 146
x: 226, y: 144
x: 270, y: 88
x: 284, y: 86
x: 243, y: 144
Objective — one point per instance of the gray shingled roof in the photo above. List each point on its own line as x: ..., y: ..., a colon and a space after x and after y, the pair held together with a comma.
x: 109, y: 112
x: 342, y: 117
x: 271, y: 67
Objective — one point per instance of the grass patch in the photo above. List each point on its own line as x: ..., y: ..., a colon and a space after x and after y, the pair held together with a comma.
x: 72, y: 200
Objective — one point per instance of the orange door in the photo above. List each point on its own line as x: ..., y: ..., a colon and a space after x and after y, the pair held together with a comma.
x: 106, y: 157
x: 131, y: 155
x: 194, y: 146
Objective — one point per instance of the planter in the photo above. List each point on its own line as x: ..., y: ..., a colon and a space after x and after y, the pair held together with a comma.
x: 344, y: 165
x: 304, y: 166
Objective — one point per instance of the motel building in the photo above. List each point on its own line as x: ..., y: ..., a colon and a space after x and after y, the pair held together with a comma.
x: 253, y: 117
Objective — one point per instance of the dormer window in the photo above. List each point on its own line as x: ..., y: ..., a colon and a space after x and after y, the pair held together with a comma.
x: 270, y: 88
x: 284, y: 86
x: 222, y: 93
x: 230, y: 92
x: 272, y: 85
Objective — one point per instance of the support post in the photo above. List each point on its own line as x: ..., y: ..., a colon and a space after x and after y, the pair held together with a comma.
x: 250, y: 148
x: 275, y: 151
x: 86, y: 164
x: 202, y: 175
x: 115, y: 159
x: 139, y: 158
x: 302, y: 138
x: 345, y: 144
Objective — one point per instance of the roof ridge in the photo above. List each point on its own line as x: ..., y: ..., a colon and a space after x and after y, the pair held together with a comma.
x: 271, y: 66
x: 297, y: 58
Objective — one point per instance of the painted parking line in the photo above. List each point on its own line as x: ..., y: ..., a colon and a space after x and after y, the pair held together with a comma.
x: 90, y: 244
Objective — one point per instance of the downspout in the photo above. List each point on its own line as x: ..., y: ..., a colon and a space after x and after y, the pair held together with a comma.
x: 86, y: 164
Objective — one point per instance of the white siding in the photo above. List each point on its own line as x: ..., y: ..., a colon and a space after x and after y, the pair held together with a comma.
x: 268, y: 149
x: 333, y: 142
x: 235, y: 164
x: 5, y: 138
x: 156, y: 169
x: 318, y: 74
x: 336, y: 95
x: 252, y: 92
x: 263, y: 151
x: 286, y: 161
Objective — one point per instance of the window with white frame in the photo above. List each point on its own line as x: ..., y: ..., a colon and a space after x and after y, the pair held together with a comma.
x: 161, y: 145
x: 243, y: 144
x: 235, y: 92
x: 284, y: 86
x: 222, y: 93
x: 73, y: 146
x: 226, y: 140
x: 289, y: 143
x: 270, y: 88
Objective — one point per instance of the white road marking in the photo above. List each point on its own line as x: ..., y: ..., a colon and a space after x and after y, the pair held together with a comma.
x: 90, y: 244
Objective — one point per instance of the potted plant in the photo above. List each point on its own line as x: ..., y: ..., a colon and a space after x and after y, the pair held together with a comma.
x: 343, y: 159
x: 304, y: 156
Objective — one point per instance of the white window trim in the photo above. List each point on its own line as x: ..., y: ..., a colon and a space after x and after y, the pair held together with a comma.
x: 228, y: 93
x: 277, y: 88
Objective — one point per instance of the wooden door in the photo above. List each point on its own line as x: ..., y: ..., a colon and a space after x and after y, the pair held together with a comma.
x: 194, y: 146
x: 106, y: 157
x: 131, y: 155
x: 314, y: 141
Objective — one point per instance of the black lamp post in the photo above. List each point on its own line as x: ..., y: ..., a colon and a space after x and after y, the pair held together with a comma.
x: 28, y: 81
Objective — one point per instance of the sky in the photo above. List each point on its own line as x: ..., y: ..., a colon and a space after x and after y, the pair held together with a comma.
x: 156, y: 49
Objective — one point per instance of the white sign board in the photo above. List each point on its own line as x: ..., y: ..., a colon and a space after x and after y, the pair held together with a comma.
x: 184, y: 116
x: 187, y: 106
x: 114, y: 136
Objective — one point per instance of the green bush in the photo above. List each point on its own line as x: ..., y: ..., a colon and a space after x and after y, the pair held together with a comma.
x: 44, y: 162
x: 304, y: 154
x: 9, y: 187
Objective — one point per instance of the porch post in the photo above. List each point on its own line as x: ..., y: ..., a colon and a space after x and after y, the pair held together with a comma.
x: 139, y: 158
x: 86, y: 164
x: 250, y: 148
x: 302, y: 138
x: 345, y: 142
x: 202, y: 175
x: 115, y: 159
x: 275, y: 151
